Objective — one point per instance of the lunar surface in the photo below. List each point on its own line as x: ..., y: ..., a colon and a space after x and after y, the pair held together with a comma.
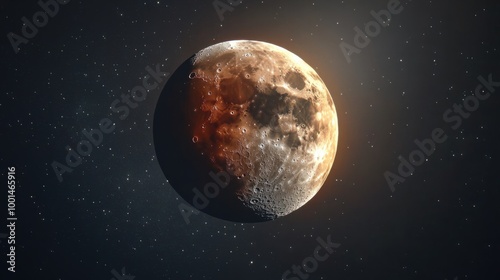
x: 245, y: 131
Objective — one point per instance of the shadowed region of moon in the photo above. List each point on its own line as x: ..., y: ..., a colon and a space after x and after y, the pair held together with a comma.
x: 245, y: 131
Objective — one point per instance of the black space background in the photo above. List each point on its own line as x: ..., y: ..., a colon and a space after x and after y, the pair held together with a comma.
x: 116, y: 209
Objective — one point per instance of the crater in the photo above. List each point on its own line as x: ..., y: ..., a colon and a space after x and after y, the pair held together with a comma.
x: 295, y: 80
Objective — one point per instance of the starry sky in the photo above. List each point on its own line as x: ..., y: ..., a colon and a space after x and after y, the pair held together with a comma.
x: 116, y: 217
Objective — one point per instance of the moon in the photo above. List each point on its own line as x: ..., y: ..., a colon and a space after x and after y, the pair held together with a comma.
x: 245, y: 131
